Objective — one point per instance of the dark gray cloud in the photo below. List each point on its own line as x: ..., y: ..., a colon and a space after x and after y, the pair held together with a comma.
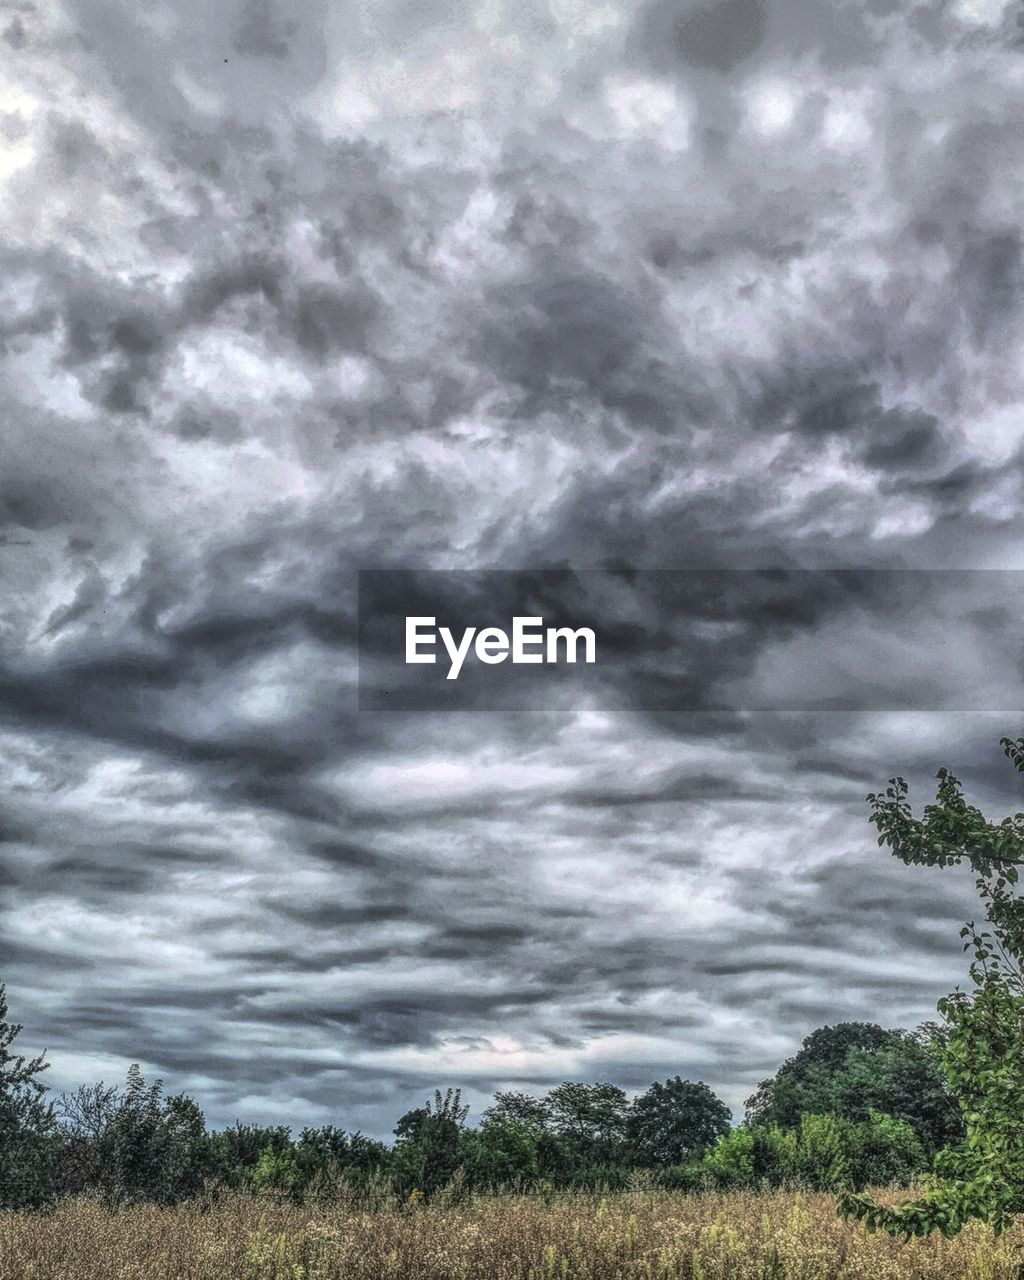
x: 717, y: 36
x: 291, y: 291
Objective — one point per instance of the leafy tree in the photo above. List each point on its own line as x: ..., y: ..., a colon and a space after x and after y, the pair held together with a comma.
x: 134, y: 1144
x: 28, y: 1137
x: 833, y: 1153
x: 824, y: 1152
x: 430, y: 1143
x: 590, y: 1118
x: 84, y: 1118
x: 410, y: 1125
x: 318, y: 1148
x: 513, y: 1105
x: 509, y: 1151
x: 982, y: 1049
x: 751, y: 1156
x: 328, y: 1156
x: 902, y: 1079
x: 234, y: 1153
x: 886, y: 1152
x: 731, y: 1162
x: 805, y: 1083
x: 855, y: 1068
x: 132, y: 1164
x: 185, y: 1153
x: 277, y: 1171
x: 675, y: 1120
x: 366, y: 1154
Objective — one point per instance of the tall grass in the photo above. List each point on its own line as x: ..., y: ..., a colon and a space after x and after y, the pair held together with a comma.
x: 646, y: 1235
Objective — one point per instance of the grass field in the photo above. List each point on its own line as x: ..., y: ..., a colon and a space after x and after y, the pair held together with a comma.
x: 626, y: 1236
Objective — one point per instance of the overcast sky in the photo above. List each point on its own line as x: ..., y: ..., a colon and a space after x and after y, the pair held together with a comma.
x: 292, y: 289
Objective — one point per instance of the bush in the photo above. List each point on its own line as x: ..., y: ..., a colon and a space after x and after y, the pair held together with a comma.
x: 824, y: 1153
x: 28, y: 1134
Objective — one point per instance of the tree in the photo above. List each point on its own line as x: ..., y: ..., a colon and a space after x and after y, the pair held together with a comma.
x: 328, y: 1156
x: 590, y: 1118
x: 510, y: 1104
x: 85, y: 1117
x: 508, y: 1151
x: 185, y: 1152
x: 886, y: 1152
x: 673, y: 1121
x: 134, y: 1144
x: 824, y: 1152
x: 277, y: 1172
x: 430, y: 1139
x: 234, y: 1153
x: 902, y: 1079
x: 982, y: 1049
x: 752, y: 1156
x: 856, y: 1068
x: 28, y: 1136
x: 805, y: 1083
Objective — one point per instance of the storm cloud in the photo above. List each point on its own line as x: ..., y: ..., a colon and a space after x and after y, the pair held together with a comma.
x: 294, y: 291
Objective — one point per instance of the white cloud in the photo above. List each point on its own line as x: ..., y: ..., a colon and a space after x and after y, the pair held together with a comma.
x: 771, y: 104
x: 627, y: 310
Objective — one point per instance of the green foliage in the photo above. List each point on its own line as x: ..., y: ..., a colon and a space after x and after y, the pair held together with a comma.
x: 510, y: 1152
x: 268, y: 1160
x: 590, y: 1119
x: 673, y: 1121
x: 232, y: 1154
x: 730, y: 1163
x: 327, y: 1157
x: 759, y: 1156
x: 133, y: 1145
x: 856, y: 1068
x: 28, y: 1137
x: 514, y: 1105
x: 277, y: 1172
x: 430, y: 1143
x: 153, y: 1148
x: 136, y: 1145
x: 823, y: 1153
x: 982, y: 1049
x: 888, y: 1152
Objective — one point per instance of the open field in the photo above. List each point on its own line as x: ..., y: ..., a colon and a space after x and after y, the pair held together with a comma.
x: 740, y: 1236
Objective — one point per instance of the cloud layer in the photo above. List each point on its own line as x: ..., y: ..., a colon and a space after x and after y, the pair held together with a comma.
x: 291, y: 290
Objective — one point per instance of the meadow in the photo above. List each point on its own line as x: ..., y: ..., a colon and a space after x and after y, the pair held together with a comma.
x: 644, y: 1235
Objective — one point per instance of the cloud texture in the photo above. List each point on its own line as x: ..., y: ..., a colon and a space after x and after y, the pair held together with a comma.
x: 293, y: 290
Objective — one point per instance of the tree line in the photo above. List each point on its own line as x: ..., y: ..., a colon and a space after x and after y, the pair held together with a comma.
x: 856, y: 1106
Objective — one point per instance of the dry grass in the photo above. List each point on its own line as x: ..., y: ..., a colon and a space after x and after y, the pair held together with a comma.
x: 632, y: 1236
